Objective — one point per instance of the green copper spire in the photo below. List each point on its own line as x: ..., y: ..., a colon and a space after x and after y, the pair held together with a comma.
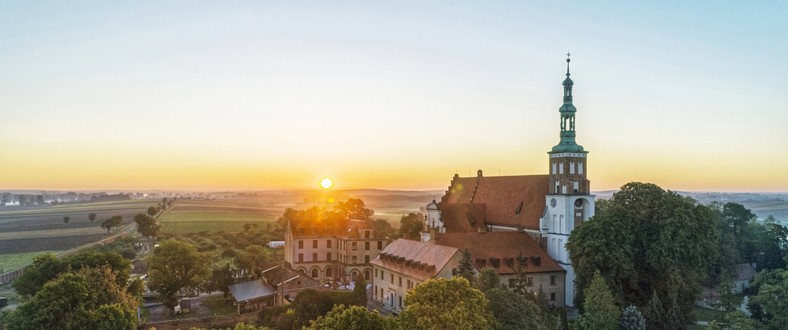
x: 567, y: 111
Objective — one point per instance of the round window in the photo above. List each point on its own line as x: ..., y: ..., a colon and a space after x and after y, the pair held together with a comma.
x: 579, y: 202
x: 553, y: 202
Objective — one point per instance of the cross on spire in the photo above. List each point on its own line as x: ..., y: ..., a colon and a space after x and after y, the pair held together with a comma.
x: 567, y: 63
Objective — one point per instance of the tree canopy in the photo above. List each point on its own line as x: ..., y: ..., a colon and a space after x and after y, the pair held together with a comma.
x: 336, y: 215
x: 350, y: 318
x: 646, y: 240
x: 599, y: 310
x: 146, y: 225
x: 410, y: 226
x: 515, y: 311
x: 46, y: 267
x: 446, y: 304
x: 88, y: 299
x: 176, y: 265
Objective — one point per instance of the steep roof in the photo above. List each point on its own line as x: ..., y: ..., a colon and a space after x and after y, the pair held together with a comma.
x: 505, y: 246
x: 512, y: 201
x: 745, y: 272
x: 413, y: 258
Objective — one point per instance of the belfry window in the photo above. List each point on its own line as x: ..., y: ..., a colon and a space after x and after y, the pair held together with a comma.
x: 580, y: 168
x: 572, y: 168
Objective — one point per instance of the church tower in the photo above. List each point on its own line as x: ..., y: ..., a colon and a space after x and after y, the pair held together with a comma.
x: 569, y: 201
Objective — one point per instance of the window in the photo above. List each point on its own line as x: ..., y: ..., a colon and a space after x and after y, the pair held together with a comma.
x: 376, y: 273
x: 580, y: 168
x: 561, y: 168
x: 300, y: 244
x: 400, y: 281
x: 300, y: 257
x: 380, y: 245
x: 392, y: 278
x: 552, y: 296
x: 355, y: 260
x: 375, y: 290
x: 315, y: 273
x: 328, y: 243
x: 381, y: 274
x: 329, y: 272
x: 572, y: 168
x: 314, y: 256
x: 512, y: 282
x: 366, y: 246
x: 400, y: 301
x: 354, y: 246
x: 530, y: 281
x: 366, y: 259
x: 314, y: 244
x: 552, y: 280
x: 366, y: 234
x: 328, y: 256
x: 553, y: 172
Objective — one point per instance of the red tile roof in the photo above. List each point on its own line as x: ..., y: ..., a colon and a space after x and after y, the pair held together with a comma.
x: 413, y: 258
x: 512, y: 201
x: 501, y: 245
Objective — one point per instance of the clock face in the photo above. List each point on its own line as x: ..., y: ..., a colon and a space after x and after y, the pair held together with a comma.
x: 553, y: 202
x: 579, y: 203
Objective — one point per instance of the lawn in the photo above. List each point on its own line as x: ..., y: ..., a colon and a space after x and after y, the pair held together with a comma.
x: 13, y: 261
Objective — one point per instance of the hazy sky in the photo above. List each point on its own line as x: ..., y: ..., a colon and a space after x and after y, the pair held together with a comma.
x: 690, y: 95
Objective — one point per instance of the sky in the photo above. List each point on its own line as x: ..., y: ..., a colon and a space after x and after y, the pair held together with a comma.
x: 247, y: 95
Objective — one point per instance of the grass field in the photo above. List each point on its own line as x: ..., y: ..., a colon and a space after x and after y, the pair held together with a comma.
x: 188, y: 216
x: 18, y: 260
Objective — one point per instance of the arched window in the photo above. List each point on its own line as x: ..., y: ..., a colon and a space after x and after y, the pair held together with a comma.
x: 367, y: 275
x: 315, y: 273
x: 329, y: 272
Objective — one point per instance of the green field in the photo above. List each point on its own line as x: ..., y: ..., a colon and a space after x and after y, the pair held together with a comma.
x: 13, y: 261
x: 189, y: 216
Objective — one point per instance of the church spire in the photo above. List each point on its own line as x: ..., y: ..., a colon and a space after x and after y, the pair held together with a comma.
x: 567, y: 110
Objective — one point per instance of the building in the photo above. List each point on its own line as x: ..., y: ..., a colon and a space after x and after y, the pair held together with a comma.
x: 501, y: 251
x: 745, y: 273
x: 404, y: 264
x: 333, y: 253
x: 545, y: 206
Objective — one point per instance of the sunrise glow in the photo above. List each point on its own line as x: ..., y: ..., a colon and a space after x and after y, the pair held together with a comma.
x: 394, y: 95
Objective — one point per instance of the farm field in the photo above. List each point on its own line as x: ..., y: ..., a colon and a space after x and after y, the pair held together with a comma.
x: 230, y: 214
x: 26, y: 232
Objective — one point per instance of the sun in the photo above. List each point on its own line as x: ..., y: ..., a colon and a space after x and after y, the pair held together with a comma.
x: 326, y: 183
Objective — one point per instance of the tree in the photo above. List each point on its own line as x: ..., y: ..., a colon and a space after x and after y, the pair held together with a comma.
x: 360, y: 292
x: 646, y: 240
x: 632, y: 319
x: 521, y: 277
x: 251, y: 259
x: 152, y: 211
x: 87, y: 299
x: 599, y: 310
x: 40, y: 199
x: 446, y: 304
x: 115, y: 221
x: 382, y: 228
x: 350, y: 318
x: 92, y: 217
x: 173, y: 266
x: 221, y: 279
x: 146, y: 225
x: 310, y: 304
x: 46, y: 267
x: 465, y: 267
x: 675, y: 320
x: 770, y: 302
x: 488, y: 279
x: 654, y: 313
x: 515, y: 311
x: 410, y: 226
x: 66, y: 219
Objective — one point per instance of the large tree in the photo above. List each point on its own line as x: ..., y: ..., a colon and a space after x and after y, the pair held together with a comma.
x: 770, y: 303
x: 146, y: 225
x: 87, y: 299
x: 350, y: 318
x: 465, y: 267
x: 515, y: 311
x: 410, y: 226
x: 446, y: 304
x: 46, y: 267
x: 176, y: 265
x: 646, y: 240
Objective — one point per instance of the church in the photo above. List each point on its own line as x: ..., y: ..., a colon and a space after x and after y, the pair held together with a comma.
x: 481, y: 213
